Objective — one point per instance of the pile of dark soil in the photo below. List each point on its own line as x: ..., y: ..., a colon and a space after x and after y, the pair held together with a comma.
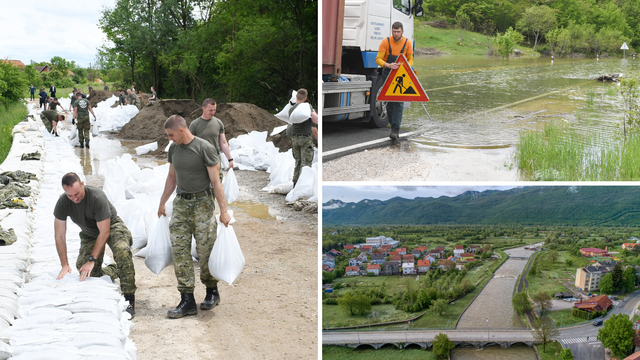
x: 97, y: 96
x: 238, y: 119
x: 428, y: 51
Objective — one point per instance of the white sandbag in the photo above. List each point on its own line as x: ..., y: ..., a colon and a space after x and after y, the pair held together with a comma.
x: 58, y: 354
x: 94, y: 129
x: 5, y: 351
x: 305, y: 185
x: 301, y: 113
x: 284, y: 114
x: 166, y: 149
x: 226, y: 260
x: 143, y: 149
x: 143, y: 252
x: 159, y: 244
x: 74, y: 132
x: 230, y: 186
x: 278, y: 129
x: 282, y: 189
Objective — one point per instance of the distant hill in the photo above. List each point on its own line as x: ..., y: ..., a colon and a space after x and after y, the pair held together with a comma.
x: 538, y: 205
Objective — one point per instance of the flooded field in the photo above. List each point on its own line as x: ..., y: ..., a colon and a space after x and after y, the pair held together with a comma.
x: 483, y: 102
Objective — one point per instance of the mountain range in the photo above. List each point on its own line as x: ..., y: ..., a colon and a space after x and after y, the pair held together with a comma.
x: 533, y: 205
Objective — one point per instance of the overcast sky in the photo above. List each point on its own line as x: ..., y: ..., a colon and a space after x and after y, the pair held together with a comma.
x: 357, y: 193
x: 41, y: 30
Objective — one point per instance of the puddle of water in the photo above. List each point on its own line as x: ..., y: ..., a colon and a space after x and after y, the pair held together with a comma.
x: 254, y: 209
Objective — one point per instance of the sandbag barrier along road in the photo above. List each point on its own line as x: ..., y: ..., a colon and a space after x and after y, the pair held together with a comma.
x: 49, y: 318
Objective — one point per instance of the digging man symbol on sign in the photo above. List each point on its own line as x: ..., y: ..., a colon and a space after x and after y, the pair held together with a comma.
x: 399, y: 81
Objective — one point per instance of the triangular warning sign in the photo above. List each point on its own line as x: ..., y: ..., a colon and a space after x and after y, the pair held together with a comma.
x: 402, y: 84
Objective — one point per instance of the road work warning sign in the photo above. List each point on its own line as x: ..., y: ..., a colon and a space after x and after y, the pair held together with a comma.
x: 402, y: 84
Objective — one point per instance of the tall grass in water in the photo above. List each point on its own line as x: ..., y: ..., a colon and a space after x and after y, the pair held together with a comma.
x: 560, y: 153
x: 10, y: 115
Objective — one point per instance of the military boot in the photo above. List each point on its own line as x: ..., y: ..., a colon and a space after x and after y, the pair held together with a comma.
x: 87, y: 144
x: 186, y: 307
x: 131, y: 308
x: 211, y: 299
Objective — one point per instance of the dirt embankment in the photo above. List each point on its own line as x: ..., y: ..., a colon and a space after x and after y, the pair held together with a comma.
x: 238, y: 119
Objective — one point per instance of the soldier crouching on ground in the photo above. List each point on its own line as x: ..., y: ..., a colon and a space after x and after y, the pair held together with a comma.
x: 50, y: 119
x: 98, y: 219
x: 194, y: 168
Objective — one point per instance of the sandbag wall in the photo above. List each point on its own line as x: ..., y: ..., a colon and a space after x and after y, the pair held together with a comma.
x: 41, y: 317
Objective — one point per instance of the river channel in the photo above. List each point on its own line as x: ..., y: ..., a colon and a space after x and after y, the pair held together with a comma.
x: 492, y: 309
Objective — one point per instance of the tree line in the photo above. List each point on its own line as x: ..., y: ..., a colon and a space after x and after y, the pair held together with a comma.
x: 233, y: 50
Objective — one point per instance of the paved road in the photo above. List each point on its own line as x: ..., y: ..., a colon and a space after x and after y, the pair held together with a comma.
x: 341, y: 134
x: 424, y: 336
x: 584, y: 348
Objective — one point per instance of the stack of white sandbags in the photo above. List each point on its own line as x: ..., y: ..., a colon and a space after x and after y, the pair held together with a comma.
x: 113, y: 119
x: 135, y: 193
x: 252, y: 151
x: 65, y: 319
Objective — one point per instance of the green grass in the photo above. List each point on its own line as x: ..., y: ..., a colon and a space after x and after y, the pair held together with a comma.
x: 334, y: 316
x: 345, y: 353
x: 446, y: 39
x: 9, y: 117
x: 551, y: 348
x: 551, y: 276
x: 565, y: 317
x: 560, y: 153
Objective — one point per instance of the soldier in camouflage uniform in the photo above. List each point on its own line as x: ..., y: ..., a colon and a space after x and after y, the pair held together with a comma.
x: 194, y: 168
x: 50, y: 119
x: 133, y: 99
x: 301, y: 136
x: 81, y: 109
x: 98, y: 219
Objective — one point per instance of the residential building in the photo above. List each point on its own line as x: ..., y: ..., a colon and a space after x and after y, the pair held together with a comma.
x: 402, y: 251
x: 377, y: 241
x: 394, y: 253
x: 42, y: 69
x: 466, y: 256
x: 436, y: 253
x: 588, y: 278
x: 408, y: 258
x: 460, y: 266
x: 352, y: 271
x: 423, y: 266
x: 416, y: 253
x: 597, y: 303
x: 594, y: 252
x: 349, y: 248
x: 390, y: 268
x: 377, y: 258
x: 373, y: 269
x: 333, y: 252
x: 629, y: 246
x: 408, y: 269
x: 430, y: 258
x: 366, y: 248
x: 474, y: 248
x: 327, y: 268
x: 440, y: 248
x: 397, y: 258
x: 355, y: 262
x: 363, y: 257
x: 422, y: 249
x: 446, y: 264
x: 458, y: 251
x: 329, y: 261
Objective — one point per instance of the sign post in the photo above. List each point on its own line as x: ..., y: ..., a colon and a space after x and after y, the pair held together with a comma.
x: 624, y: 48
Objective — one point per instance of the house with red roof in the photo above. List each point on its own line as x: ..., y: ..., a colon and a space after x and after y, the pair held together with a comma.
x: 402, y: 251
x: 394, y: 253
x: 436, y: 253
x: 458, y: 251
x: 408, y: 259
x: 423, y: 266
x: 395, y: 258
x: 17, y: 63
x: 352, y: 271
x: 466, y: 257
x: 597, y: 303
x: 594, y: 252
x: 629, y: 246
x: 373, y: 269
x: 349, y: 248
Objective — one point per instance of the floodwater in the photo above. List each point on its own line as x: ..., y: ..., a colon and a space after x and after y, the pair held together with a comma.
x: 254, y: 209
x: 483, y: 103
x: 493, y: 309
x: 520, y: 352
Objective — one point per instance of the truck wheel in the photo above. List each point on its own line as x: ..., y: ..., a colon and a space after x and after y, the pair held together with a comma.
x: 378, y: 114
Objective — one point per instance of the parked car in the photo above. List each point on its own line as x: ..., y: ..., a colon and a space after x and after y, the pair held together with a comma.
x: 598, y: 322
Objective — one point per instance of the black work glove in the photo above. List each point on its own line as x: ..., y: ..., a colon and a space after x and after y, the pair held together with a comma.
x: 73, y: 121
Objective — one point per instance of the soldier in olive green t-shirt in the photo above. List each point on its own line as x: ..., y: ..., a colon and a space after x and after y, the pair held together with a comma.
x: 81, y: 109
x: 211, y: 128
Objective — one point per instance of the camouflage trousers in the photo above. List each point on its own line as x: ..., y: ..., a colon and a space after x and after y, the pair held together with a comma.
x: 47, y: 123
x: 302, y: 148
x: 119, y: 242
x: 84, y: 128
x: 192, y: 217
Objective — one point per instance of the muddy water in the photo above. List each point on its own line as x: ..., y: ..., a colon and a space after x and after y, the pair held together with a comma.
x: 254, y: 209
x: 520, y: 352
x: 492, y: 308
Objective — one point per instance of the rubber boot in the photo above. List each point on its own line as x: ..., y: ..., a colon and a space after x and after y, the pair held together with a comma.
x: 81, y: 146
x: 186, y: 307
x: 131, y: 308
x: 394, y: 133
x: 211, y: 299
x: 87, y: 144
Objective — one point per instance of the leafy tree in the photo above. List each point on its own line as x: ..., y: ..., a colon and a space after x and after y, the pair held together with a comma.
x: 355, y: 304
x: 606, y: 284
x: 617, y: 276
x: 506, y: 42
x: 538, y: 20
x: 463, y: 24
x: 559, y: 41
x: 439, y: 306
x: 327, y: 277
x: 629, y: 279
x: 542, y: 301
x: 617, y: 335
x: 442, y: 346
x: 553, y: 256
x: 545, y: 331
x: 533, y: 271
x: 568, y: 262
x: 13, y: 83
x: 565, y: 354
x: 521, y: 302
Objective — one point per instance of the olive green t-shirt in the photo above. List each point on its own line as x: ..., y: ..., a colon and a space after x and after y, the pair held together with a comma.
x: 82, y: 105
x: 95, y: 207
x: 190, y: 161
x: 300, y: 129
x: 209, y: 130
x: 53, y: 105
x: 52, y: 115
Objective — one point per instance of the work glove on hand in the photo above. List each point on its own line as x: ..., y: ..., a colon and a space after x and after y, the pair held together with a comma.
x: 73, y: 121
